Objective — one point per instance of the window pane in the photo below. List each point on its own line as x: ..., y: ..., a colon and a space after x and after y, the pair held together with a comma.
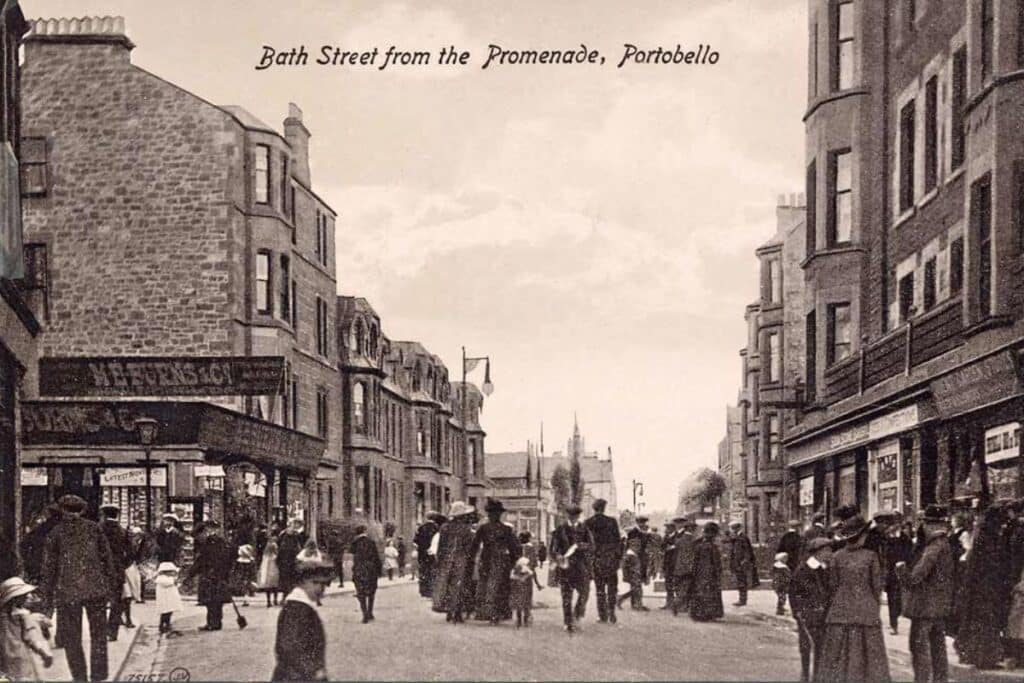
x: 844, y: 217
x: 261, y: 176
x: 845, y: 65
x: 846, y: 21
x: 844, y: 172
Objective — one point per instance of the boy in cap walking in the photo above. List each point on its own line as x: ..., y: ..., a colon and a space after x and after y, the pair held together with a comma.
x: 571, y: 547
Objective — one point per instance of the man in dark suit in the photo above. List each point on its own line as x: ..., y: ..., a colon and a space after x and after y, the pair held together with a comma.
x: 928, y: 598
x: 896, y: 548
x: 120, y: 556
x: 607, y: 555
x: 643, y: 535
x: 741, y: 561
x: 572, y: 546
x: 77, y: 575
x: 792, y: 543
x: 301, y: 643
x: 213, y: 563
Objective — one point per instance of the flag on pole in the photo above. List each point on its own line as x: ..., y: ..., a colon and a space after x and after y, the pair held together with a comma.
x: 471, y: 364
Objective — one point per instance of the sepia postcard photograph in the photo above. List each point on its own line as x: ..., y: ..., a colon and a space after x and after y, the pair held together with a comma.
x: 545, y: 340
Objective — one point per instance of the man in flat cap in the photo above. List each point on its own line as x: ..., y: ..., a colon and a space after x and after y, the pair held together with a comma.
x: 78, y: 574
x: 741, y: 561
x: 928, y: 597
x: 641, y: 533
x: 607, y: 555
x: 120, y: 556
x: 572, y: 545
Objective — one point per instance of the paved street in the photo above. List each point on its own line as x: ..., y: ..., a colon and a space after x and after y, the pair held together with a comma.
x: 408, y: 641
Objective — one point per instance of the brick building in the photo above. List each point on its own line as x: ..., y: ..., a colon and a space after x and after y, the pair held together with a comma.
x: 18, y: 323
x: 403, y: 438
x: 520, y: 485
x: 177, y: 232
x: 915, y: 226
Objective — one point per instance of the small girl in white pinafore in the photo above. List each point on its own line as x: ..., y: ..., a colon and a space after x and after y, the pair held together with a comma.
x: 168, y: 599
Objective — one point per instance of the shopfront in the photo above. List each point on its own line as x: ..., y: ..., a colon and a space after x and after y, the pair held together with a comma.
x: 873, y: 463
x: 206, y: 461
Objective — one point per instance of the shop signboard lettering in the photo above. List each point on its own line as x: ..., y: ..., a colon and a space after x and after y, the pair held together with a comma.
x: 83, y: 423
x: 987, y: 381
x: 159, y: 376
x: 893, y: 423
x: 208, y: 471
x: 133, y: 476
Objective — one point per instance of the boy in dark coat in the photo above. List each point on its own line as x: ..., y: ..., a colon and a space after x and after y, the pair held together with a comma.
x: 366, y: 569
x: 300, y: 644
x: 809, y: 599
x: 572, y: 546
x: 928, y: 598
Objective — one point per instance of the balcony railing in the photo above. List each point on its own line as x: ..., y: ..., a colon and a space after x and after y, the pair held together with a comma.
x: 917, y: 342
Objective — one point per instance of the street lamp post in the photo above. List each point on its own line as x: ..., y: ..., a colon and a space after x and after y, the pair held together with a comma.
x: 637, y: 485
x: 487, y: 388
x: 147, y: 428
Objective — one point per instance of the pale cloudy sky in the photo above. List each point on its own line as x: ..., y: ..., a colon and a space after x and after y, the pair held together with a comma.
x: 590, y: 228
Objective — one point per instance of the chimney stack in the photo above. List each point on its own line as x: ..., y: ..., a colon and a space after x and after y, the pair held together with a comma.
x: 298, y: 138
x: 78, y: 31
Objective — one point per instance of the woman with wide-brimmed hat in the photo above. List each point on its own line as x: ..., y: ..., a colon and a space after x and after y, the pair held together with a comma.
x: 451, y: 593
x: 853, y: 648
x: 706, y: 590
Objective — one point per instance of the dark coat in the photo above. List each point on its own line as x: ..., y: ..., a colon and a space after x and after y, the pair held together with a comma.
x: 856, y: 584
x: 895, y: 549
x: 645, y: 547
x: 33, y: 547
x: 117, y: 539
x: 300, y: 644
x: 741, y: 554
x: 607, y: 544
x: 668, y: 553
x: 791, y: 543
x: 809, y: 594
x: 928, y: 586
x: 986, y: 594
x: 423, y: 537
x: 168, y: 545
x: 499, y: 549
x: 454, y: 565
x: 77, y: 566
x: 685, y: 542
x: 706, y: 595
x: 578, y: 571
x: 366, y: 564
x: 289, y: 545
x: 213, y: 563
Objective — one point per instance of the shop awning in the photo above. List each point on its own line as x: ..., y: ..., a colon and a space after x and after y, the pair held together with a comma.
x: 181, y: 424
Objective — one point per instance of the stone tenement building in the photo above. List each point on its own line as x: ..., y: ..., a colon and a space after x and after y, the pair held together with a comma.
x: 166, y: 226
x: 915, y: 174
x: 18, y: 324
x: 402, y: 429
x: 773, y: 370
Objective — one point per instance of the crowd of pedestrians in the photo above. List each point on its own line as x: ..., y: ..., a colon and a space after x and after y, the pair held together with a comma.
x: 958, y: 576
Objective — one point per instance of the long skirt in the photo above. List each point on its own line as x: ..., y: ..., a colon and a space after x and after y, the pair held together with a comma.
x: 706, y: 605
x: 854, y: 654
x: 132, y: 583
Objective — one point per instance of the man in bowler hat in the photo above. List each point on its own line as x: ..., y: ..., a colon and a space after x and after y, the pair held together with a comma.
x: 607, y: 555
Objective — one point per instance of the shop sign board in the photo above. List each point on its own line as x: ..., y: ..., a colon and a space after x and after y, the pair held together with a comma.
x: 133, y: 476
x: 987, y: 381
x: 1002, y: 443
x: 162, y: 376
x: 34, y: 476
x: 893, y: 423
x: 208, y: 471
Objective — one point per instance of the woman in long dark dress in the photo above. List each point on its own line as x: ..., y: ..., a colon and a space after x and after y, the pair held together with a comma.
x: 451, y: 593
x: 499, y: 550
x: 853, y: 648
x: 986, y: 595
x: 706, y: 597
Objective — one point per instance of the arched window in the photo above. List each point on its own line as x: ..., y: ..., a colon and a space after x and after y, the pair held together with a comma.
x: 359, y: 407
x: 373, y: 340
